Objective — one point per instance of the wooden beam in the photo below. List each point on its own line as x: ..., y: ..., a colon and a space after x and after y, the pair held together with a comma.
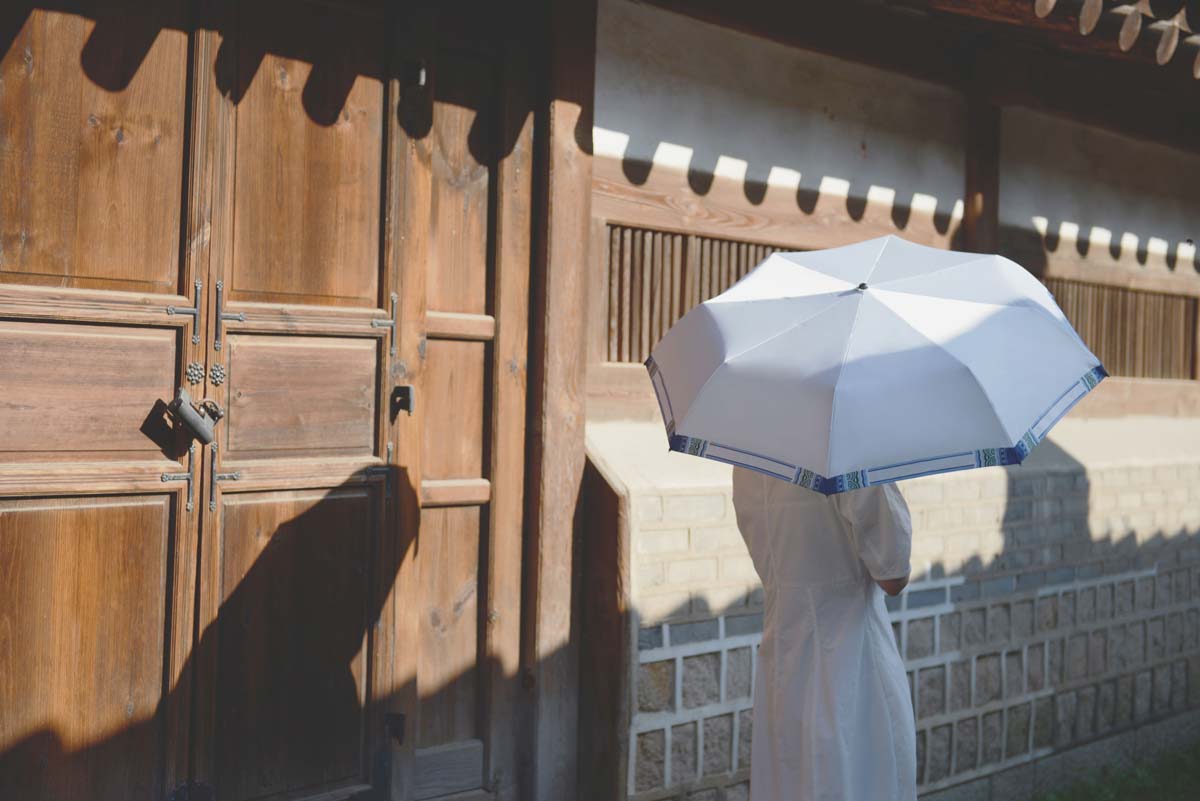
x: 457, y: 325
x: 563, y: 181
x: 455, y: 492
x: 981, y: 212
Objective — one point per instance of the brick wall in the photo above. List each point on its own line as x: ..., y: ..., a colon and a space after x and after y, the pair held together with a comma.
x: 1052, y: 608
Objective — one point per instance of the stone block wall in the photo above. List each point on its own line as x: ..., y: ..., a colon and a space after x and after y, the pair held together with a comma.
x: 1053, y: 609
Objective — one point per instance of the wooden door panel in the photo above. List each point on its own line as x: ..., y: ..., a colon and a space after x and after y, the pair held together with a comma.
x: 454, y: 414
x: 460, y: 156
x: 83, y: 618
x: 45, y: 412
x: 292, y: 643
x: 449, y: 646
x: 309, y: 152
x: 91, y: 151
x: 301, y: 396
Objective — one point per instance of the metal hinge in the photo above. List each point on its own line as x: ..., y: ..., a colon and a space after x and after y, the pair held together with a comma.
x: 212, y: 485
x: 192, y: 791
x: 222, y: 316
x: 193, y: 312
x: 377, y: 323
x: 189, y: 476
x: 402, y: 399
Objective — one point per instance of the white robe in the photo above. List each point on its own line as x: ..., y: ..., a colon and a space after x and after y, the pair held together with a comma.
x: 833, y: 717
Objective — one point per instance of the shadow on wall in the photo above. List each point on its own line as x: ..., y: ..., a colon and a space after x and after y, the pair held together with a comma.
x: 1022, y: 244
x: 341, y: 45
x: 1067, y: 636
x: 283, y: 665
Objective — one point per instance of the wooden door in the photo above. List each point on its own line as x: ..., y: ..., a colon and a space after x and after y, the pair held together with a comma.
x: 463, y: 154
x: 310, y: 214
x: 97, y: 533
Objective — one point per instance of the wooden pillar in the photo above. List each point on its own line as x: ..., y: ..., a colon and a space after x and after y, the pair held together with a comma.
x: 563, y: 177
x: 981, y: 213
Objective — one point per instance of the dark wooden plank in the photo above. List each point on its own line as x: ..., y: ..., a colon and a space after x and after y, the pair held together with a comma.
x: 503, y: 713
x: 981, y: 212
x: 557, y: 372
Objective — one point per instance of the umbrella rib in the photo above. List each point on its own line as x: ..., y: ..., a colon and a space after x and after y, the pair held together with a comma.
x: 1016, y: 305
x: 874, y: 266
x: 833, y: 395
x: 965, y: 366
x: 744, y: 351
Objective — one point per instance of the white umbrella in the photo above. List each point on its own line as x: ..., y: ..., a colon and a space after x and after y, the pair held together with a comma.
x: 875, y: 362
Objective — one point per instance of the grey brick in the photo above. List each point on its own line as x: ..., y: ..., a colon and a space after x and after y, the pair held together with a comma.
x: 1162, y: 590
x: 1135, y: 644
x: 923, y: 598
x: 1086, y: 605
x: 1047, y: 613
x: 967, y: 591
x: 1036, y: 667
x: 1014, y: 674
x: 1054, y: 663
x: 1085, y: 713
x: 701, y: 680
x: 683, y: 753
x: 939, y: 753
x: 1142, y: 695
x: 1061, y: 575
x: 950, y: 636
x: 1064, y: 719
x: 1106, y: 706
x: 1124, y: 598
x: 999, y: 587
x: 683, y: 633
x: 932, y: 695
x: 1077, y: 655
x: 1179, y: 677
x: 920, y: 638
x: 987, y: 679
x: 1066, y: 610
x: 999, y: 626
x: 1124, y: 710
x: 1174, y: 633
x: 651, y: 637
x: 718, y: 744
x: 736, y: 625
x: 738, y: 673
x: 993, y: 738
x: 1180, y: 586
x: 1098, y: 653
x: 960, y: 685
x: 650, y: 764
x: 745, y: 736
x: 738, y: 792
x: 1162, y: 689
x: 1104, y: 601
x: 966, y: 744
x: 1030, y: 579
x: 1022, y: 619
x: 1043, y: 722
x: 656, y: 686
x: 974, y: 626
x: 1156, y: 645
x: 1145, y: 593
x: 1017, y: 737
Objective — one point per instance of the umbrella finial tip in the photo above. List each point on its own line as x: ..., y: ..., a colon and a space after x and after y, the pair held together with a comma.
x: 863, y: 285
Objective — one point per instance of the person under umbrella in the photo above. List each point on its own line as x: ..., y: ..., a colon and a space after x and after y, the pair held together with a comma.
x: 824, y: 377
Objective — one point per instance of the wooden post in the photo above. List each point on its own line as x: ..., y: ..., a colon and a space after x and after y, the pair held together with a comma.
x: 981, y: 212
x: 563, y: 177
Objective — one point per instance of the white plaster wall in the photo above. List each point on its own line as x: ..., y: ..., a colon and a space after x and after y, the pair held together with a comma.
x: 1080, y: 182
x: 678, y: 92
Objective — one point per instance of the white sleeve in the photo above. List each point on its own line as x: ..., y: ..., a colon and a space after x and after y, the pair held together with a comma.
x: 880, y: 528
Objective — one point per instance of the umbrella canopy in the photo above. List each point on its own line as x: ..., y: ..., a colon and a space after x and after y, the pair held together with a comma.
x: 875, y: 362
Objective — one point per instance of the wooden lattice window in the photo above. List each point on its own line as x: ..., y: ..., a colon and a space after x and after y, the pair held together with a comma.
x: 1134, y: 333
x: 654, y: 277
